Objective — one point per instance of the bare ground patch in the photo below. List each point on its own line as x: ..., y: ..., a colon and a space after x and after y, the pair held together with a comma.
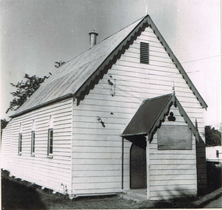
x: 17, y: 194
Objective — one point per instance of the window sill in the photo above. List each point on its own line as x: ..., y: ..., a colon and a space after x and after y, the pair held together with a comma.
x: 50, y: 156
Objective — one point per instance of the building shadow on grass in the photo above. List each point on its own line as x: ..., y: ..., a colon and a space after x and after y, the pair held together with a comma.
x: 181, y: 199
x: 19, y: 196
x: 214, y: 176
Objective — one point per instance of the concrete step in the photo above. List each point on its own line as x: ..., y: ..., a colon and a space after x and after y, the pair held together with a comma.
x: 136, y: 195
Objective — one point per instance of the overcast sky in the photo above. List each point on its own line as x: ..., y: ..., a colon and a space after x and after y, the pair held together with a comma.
x: 36, y: 33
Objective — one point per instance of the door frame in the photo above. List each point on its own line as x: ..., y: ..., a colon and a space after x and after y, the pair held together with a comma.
x: 143, y: 171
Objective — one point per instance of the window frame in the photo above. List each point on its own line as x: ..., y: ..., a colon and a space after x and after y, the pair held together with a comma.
x: 32, y: 143
x: 20, y: 144
x: 144, y: 53
x: 50, y: 143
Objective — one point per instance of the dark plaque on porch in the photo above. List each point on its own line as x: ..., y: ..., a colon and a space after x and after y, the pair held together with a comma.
x: 174, y: 137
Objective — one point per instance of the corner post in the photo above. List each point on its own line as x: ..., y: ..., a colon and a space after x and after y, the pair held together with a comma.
x: 148, y: 166
x: 122, y: 181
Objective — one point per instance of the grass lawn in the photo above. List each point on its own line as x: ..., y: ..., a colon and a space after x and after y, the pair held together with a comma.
x: 17, y: 194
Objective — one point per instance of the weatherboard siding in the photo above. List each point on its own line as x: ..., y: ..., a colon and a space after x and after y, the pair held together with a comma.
x: 172, y: 172
x: 96, y: 149
x: 6, y: 147
x: 40, y: 169
x: 126, y: 171
x: 87, y: 153
x: 159, y: 76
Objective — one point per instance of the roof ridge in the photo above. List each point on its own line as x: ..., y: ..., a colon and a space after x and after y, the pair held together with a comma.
x: 157, y: 97
x: 124, y: 28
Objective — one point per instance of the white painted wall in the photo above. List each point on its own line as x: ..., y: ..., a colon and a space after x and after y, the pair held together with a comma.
x: 40, y: 169
x: 172, y: 172
x: 97, y: 150
x: 6, y: 147
x: 211, y: 154
x: 91, y: 162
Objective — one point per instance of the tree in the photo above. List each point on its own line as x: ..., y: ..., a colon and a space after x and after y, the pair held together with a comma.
x: 213, y: 136
x: 25, y: 90
x: 59, y: 64
x: 4, y: 122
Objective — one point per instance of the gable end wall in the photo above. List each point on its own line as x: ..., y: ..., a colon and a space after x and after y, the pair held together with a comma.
x: 100, y: 119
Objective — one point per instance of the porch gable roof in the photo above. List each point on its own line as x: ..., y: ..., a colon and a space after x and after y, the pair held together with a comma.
x: 151, y: 114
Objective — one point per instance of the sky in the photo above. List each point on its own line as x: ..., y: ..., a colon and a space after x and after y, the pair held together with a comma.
x: 34, y: 34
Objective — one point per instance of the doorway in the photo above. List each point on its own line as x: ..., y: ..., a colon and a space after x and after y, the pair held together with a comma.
x: 138, y: 167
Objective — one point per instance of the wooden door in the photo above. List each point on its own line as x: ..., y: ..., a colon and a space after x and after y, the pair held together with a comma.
x: 137, y: 167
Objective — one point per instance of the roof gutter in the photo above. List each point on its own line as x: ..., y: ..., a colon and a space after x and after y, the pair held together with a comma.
x: 136, y: 134
x: 44, y: 104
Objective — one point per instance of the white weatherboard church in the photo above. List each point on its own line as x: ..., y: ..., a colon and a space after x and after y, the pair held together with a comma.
x: 108, y: 121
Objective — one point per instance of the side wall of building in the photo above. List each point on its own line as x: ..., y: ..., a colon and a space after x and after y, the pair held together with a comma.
x: 211, y: 154
x: 6, y: 147
x: 50, y: 172
x: 99, y: 120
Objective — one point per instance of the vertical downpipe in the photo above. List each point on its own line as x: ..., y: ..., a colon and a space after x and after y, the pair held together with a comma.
x: 148, y: 166
x: 72, y: 105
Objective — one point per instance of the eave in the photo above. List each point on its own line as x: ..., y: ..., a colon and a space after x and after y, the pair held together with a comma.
x: 42, y: 105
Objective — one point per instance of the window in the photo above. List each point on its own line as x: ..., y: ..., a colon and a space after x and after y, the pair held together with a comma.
x: 50, y: 138
x: 20, y: 140
x: 33, y: 139
x: 20, y: 144
x: 32, y: 142
x: 144, y: 52
x: 50, y: 142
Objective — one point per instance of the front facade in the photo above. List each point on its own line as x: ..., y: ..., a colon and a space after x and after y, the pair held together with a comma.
x: 75, y: 142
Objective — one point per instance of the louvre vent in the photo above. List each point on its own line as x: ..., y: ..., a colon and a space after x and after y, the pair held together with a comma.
x: 144, y: 52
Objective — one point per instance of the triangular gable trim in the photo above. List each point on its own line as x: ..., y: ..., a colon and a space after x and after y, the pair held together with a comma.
x: 188, y: 121
x: 110, y: 60
x: 165, y: 112
x: 120, y: 49
x: 177, y: 63
x: 161, y: 117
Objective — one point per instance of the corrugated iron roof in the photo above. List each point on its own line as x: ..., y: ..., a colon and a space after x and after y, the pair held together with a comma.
x: 74, y: 77
x: 151, y: 114
x: 147, y: 114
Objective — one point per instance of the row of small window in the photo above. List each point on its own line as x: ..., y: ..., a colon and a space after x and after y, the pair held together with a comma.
x: 49, y: 146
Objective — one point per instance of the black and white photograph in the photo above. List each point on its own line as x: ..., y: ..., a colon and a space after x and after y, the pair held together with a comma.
x: 111, y: 104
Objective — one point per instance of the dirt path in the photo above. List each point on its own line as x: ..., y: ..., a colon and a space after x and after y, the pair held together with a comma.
x: 215, y: 204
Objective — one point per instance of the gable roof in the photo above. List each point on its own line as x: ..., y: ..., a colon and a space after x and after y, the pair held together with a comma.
x: 151, y: 114
x: 76, y: 77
